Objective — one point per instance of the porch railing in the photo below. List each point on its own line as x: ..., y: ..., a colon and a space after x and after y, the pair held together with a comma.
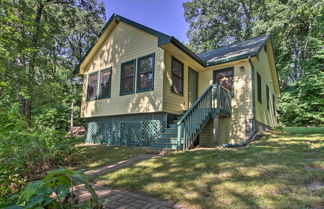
x: 215, y: 99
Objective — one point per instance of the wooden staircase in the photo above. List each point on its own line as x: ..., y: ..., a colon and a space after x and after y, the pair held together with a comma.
x: 168, y: 139
x: 215, y: 101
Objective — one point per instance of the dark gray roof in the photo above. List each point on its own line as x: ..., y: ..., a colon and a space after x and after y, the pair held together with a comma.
x: 228, y: 53
x: 239, y: 50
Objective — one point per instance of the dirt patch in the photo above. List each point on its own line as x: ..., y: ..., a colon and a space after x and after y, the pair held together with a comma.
x: 314, y: 168
x: 315, y: 186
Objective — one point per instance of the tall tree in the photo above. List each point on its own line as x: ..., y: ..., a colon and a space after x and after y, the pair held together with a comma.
x: 296, y: 28
x: 38, y: 52
x: 216, y: 23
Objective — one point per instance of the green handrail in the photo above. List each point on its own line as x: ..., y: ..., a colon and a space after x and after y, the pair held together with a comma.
x: 193, y: 121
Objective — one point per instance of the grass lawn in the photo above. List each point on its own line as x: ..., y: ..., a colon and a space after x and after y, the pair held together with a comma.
x: 94, y: 156
x: 269, y: 173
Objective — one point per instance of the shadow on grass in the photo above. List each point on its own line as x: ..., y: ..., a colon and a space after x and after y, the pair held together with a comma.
x: 96, y: 155
x: 267, y: 174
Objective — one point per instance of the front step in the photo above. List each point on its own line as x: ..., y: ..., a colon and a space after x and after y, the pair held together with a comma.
x: 167, y: 140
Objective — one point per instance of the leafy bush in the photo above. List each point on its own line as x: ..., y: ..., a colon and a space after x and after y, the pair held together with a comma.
x: 28, y: 155
x: 55, y: 190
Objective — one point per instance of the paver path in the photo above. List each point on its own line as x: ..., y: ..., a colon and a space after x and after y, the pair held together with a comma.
x: 123, y: 199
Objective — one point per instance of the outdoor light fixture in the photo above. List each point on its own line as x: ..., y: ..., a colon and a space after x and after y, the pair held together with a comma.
x: 241, y: 68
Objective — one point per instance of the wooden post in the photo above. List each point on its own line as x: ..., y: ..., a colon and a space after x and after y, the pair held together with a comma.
x: 216, y: 129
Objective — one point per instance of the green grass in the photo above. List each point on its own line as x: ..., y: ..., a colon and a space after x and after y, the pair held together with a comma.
x: 269, y: 173
x: 94, y: 156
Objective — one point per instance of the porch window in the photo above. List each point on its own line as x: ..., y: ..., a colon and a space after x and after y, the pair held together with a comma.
x: 105, y: 83
x: 145, y: 73
x: 127, y: 77
x: 259, y: 87
x: 92, y: 86
x: 177, y: 76
x: 225, y: 78
x: 268, y: 97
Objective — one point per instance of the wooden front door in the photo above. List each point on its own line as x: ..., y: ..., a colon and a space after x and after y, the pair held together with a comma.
x: 192, y: 86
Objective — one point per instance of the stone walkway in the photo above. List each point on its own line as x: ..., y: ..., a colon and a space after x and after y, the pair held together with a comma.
x: 122, y: 199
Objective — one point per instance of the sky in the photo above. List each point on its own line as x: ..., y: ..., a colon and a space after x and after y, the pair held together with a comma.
x: 165, y: 16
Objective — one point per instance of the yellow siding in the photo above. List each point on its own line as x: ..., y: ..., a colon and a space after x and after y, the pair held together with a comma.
x: 174, y: 103
x: 262, y: 66
x: 233, y: 129
x: 123, y: 44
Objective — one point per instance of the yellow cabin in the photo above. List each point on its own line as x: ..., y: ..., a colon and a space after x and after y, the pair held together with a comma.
x: 144, y: 88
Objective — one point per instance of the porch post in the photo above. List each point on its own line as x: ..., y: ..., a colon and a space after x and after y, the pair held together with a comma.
x: 216, y: 130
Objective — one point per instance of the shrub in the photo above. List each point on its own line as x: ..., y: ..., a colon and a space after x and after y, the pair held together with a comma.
x: 28, y: 155
x: 55, y: 190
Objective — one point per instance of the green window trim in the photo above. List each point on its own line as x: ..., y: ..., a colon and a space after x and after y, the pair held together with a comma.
x: 122, y: 79
x: 268, y: 97
x: 259, y: 88
x: 174, y: 75
x: 138, y: 73
x: 102, y: 72
x: 95, y: 96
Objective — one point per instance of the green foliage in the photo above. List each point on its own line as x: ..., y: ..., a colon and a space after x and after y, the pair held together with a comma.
x: 27, y: 155
x: 302, y: 102
x: 296, y: 28
x: 53, y: 191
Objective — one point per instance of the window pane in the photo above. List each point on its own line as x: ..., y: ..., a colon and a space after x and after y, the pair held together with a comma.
x: 93, y: 81
x: 145, y: 81
x: 177, y: 86
x: 128, y: 69
x: 259, y: 87
x: 225, y: 78
x: 177, y: 68
x: 145, y: 64
x: 127, y: 85
x: 105, y: 83
x: 127, y: 77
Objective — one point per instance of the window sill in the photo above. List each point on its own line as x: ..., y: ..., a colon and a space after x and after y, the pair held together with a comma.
x: 144, y: 90
x: 126, y: 93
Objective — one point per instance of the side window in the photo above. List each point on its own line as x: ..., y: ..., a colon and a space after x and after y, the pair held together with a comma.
x: 224, y: 77
x: 92, y: 86
x: 145, y: 73
x: 127, y: 78
x: 268, y: 97
x: 177, y: 76
x: 259, y: 87
x: 105, y: 83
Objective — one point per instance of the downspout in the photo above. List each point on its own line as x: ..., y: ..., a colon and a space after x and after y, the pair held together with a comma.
x: 254, y: 131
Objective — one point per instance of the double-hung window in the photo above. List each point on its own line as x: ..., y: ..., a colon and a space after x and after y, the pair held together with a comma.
x: 105, y: 83
x: 145, y: 73
x: 92, y: 86
x: 127, y: 79
x: 259, y: 87
x: 177, y: 76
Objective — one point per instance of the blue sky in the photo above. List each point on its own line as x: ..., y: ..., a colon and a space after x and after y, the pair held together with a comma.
x: 163, y: 15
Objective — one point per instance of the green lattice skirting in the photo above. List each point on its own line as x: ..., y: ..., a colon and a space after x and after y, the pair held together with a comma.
x: 126, y: 130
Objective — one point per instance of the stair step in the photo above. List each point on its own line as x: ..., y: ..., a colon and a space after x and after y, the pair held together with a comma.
x: 166, y: 140
x: 168, y: 135
x: 170, y: 130
x: 164, y: 145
